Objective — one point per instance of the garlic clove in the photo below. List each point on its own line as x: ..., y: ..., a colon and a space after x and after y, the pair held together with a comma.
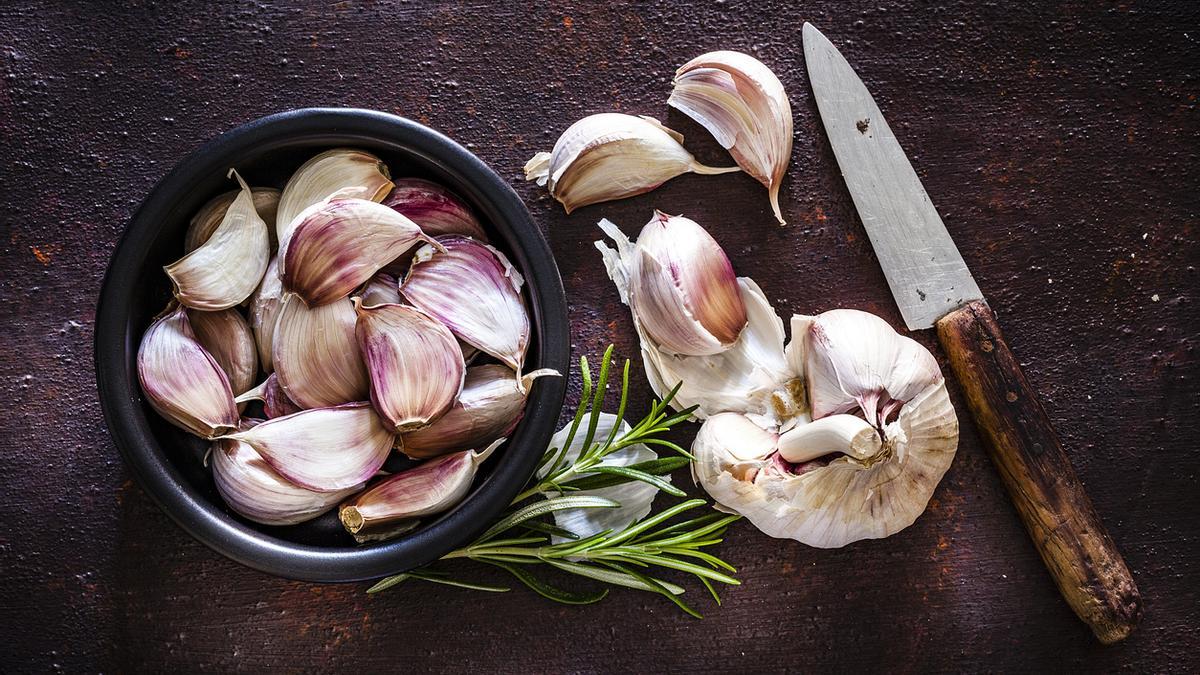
x: 264, y: 312
x: 316, y: 355
x: 683, y: 289
x: 611, y: 156
x: 435, y: 209
x: 324, y: 449
x: 744, y: 106
x: 474, y: 290
x: 227, y: 337
x: 430, y: 488
x: 414, y: 363
x: 342, y: 171
x: 339, y: 244
x: 227, y: 267
x: 209, y: 217
x: 257, y: 492
x: 847, y: 434
x: 275, y: 401
x: 381, y: 289
x: 183, y: 383
x: 489, y: 407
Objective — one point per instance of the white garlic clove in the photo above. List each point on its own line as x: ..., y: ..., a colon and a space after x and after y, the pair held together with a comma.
x: 611, y: 156
x: 227, y: 267
x: 209, y: 217
x: 227, y: 337
x: 264, y: 312
x: 257, y: 492
x: 428, y: 489
x: 847, y: 434
x: 342, y: 171
x: 474, y: 290
x: 183, y: 383
x: 744, y: 106
x: 339, y: 244
x: 683, y: 289
x: 381, y: 289
x: 316, y: 355
x: 435, y: 209
x: 489, y: 407
x: 275, y: 401
x: 414, y: 363
x: 324, y: 449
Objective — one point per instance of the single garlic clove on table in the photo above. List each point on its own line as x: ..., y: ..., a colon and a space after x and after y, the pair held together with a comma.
x: 342, y: 171
x: 316, y: 355
x: 209, y: 217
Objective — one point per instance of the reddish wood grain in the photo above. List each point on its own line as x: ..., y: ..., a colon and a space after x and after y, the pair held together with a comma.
x: 1058, y: 140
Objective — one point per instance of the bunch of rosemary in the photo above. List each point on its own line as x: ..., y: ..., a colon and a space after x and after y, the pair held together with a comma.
x: 633, y: 557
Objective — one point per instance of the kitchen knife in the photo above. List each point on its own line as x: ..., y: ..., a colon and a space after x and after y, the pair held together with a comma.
x: 934, y: 288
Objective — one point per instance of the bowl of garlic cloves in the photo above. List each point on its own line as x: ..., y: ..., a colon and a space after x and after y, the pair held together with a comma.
x: 331, y: 344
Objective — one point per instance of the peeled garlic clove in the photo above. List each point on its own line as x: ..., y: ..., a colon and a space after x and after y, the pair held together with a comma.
x: 324, y: 449
x: 846, y: 434
x: 338, y: 245
x: 683, y: 289
x: 227, y: 268
x: 264, y: 311
x: 275, y: 401
x: 433, y: 487
x: 489, y: 407
x: 227, y: 337
x: 743, y: 105
x: 342, y: 171
x: 472, y: 288
x: 381, y: 289
x: 316, y: 355
x: 612, y: 156
x: 209, y: 217
x: 257, y: 492
x: 182, y: 381
x: 435, y: 209
x: 414, y: 363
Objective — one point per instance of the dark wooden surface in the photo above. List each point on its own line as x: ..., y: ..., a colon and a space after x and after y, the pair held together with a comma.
x: 1060, y: 143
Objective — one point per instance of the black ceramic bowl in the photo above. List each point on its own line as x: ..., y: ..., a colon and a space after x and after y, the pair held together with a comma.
x: 167, y: 462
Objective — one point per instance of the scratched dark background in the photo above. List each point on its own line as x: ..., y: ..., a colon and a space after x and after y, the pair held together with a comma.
x: 1060, y: 144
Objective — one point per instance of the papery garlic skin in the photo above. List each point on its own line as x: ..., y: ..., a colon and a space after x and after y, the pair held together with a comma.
x: 257, y: 492
x: 275, y: 401
x: 227, y: 337
x: 209, y: 217
x: 381, y: 289
x: 264, y: 312
x: 183, y: 383
x: 611, y: 156
x: 342, y: 171
x: 414, y: 363
x: 324, y: 449
x: 228, y: 266
x: 474, y: 290
x: 744, y: 106
x: 316, y: 355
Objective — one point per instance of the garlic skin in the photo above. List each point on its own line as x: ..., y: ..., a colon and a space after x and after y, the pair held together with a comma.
x: 209, y: 217
x: 227, y: 337
x: 474, y: 290
x: 435, y: 209
x: 316, y: 355
x: 611, y: 156
x: 324, y: 449
x: 337, y: 245
x: 342, y: 171
x: 430, y: 488
x: 489, y: 407
x: 264, y: 312
x: 744, y: 106
x: 414, y: 363
x: 683, y: 289
x: 183, y: 383
x: 227, y: 267
x: 275, y: 401
x: 257, y: 492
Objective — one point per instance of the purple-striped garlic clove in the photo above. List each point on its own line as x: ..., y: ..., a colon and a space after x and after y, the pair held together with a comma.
x: 182, y: 382
x: 414, y: 363
x: 342, y: 171
x: 274, y: 399
x: 435, y: 209
x: 209, y: 217
x: 264, y: 310
x: 316, y: 356
x: 227, y: 337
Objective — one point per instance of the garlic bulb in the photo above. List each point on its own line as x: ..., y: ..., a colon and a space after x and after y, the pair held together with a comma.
x: 743, y: 105
x: 227, y: 337
x: 275, y: 401
x: 316, y: 354
x: 227, y: 267
x: 264, y: 311
x: 209, y: 217
x: 341, y: 171
x: 183, y: 382
x: 611, y: 156
x: 324, y: 449
x: 414, y: 363
x: 474, y: 290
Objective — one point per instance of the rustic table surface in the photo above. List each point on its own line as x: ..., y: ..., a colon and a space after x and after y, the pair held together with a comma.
x: 1061, y: 145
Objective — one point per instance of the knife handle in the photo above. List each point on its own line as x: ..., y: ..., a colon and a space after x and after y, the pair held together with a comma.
x: 1086, y: 565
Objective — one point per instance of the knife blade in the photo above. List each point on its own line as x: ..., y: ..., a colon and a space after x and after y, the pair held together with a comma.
x: 933, y: 288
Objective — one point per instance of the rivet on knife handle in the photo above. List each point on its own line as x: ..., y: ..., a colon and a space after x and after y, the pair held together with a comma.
x: 1082, y: 558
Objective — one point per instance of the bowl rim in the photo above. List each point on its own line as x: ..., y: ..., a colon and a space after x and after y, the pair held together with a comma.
x: 116, y: 341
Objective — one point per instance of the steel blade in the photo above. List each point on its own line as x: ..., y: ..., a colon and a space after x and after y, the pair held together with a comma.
x: 923, y: 267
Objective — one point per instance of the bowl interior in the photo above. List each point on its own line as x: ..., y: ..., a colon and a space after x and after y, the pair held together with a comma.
x: 170, y: 466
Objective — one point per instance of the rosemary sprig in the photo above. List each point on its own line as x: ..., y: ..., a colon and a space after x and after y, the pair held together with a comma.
x: 634, y: 557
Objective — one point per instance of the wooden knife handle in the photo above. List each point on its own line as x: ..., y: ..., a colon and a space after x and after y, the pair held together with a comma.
x: 1086, y: 565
